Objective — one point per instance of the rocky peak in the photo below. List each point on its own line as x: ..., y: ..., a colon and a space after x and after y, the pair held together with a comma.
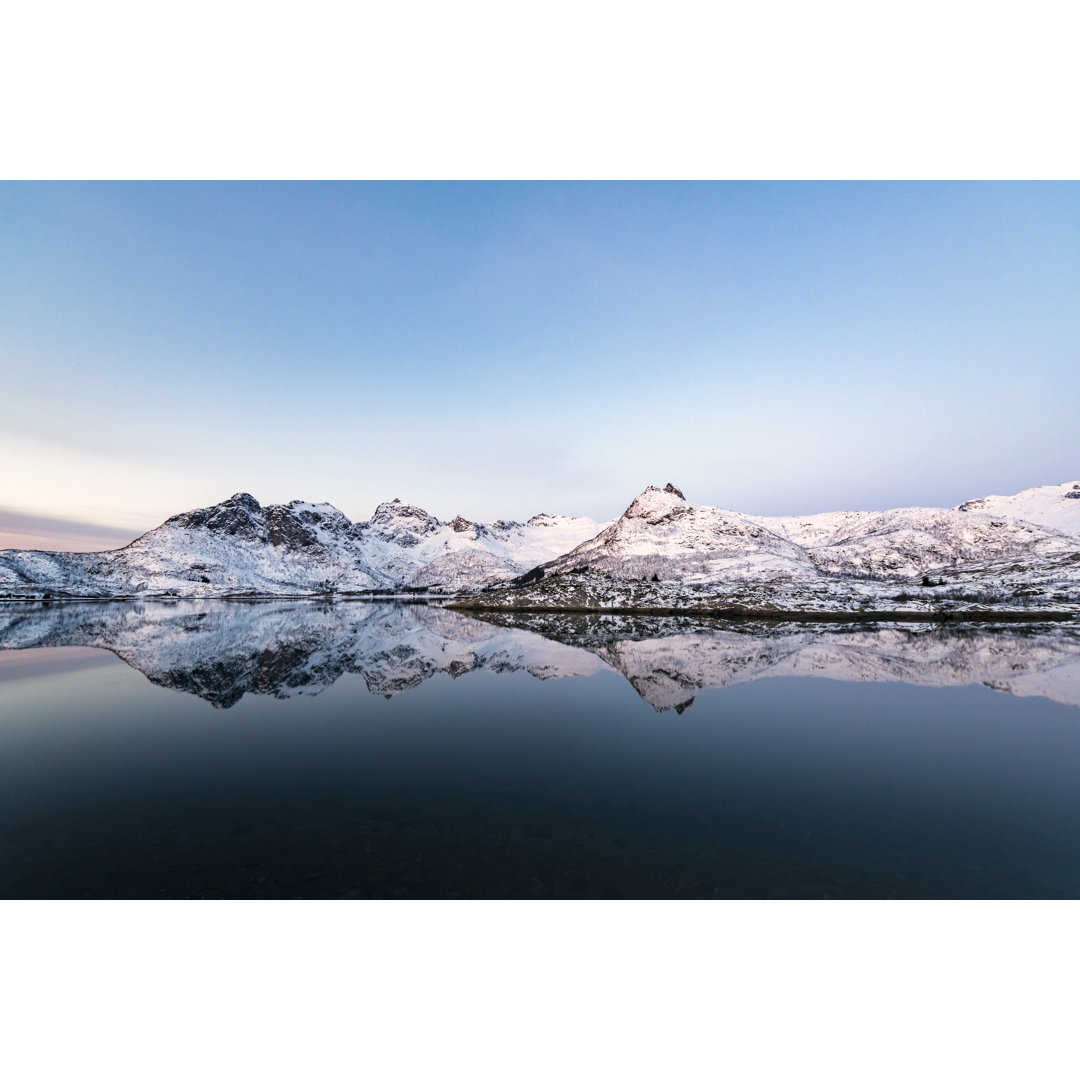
x: 398, y: 515
x: 462, y: 525
x: 320, y: 519
x: 655, y: 504
x: 239, y: 515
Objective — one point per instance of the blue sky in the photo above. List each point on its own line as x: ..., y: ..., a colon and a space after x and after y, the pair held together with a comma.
x: 500, y: 349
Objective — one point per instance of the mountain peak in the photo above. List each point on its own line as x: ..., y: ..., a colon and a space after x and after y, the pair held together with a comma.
x: 398, y: 515
x: 657, y: 504
x: 233, y: 516
x: 463, y: 525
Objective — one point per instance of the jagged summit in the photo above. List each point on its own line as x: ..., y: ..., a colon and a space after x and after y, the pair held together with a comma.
x: 398, y: 515
x: 657, y: 504
x: 294, y: 526
x: 239, y: 515
x: 463, y: 525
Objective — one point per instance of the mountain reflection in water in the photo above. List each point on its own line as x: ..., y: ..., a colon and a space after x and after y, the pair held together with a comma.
x: 220, y: 651
x: 540, y: 775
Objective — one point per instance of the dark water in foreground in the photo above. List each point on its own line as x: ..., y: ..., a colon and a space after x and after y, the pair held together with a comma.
x: 349, y: 750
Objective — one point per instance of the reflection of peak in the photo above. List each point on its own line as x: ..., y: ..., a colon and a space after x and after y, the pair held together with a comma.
x: 668, y: 661
x: 221, y: 651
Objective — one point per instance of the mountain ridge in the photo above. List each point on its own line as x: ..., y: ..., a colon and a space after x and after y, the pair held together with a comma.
x: 240, y: 547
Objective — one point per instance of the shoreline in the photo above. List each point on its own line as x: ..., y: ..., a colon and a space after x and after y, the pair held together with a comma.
x: 470, y: 605
x: 756, y: 615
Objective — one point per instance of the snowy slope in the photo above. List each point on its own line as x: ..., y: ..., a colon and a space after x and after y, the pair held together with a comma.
x: 913, y: 540
x: 1056, y: 506
x: 411, y: 546
x: 917, y: 538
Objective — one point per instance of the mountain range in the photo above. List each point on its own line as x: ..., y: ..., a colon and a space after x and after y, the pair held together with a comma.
x: 661, y: 551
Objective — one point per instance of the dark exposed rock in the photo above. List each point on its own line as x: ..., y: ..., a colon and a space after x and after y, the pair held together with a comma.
x: 533, y: 576
x: 462, y: 525
x: 284, y: 530
x: 240, y: 515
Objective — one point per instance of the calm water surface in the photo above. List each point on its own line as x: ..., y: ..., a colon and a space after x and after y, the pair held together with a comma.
x: 361, y: 750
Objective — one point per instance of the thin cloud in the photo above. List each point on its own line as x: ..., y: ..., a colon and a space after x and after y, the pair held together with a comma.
x: 38, y: 532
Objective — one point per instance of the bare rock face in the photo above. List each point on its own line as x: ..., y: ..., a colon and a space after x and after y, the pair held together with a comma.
x: 461, y: 525
x: 242, y: 516
x: 284, y: 530
x: 239, y: 515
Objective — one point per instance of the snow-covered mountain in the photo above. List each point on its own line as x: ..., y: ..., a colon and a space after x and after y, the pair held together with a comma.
x: 234, y: 547
x: 914, y: 540
x: 661, y: 533
x: 1057, y: 506
x: 239, y: 547
x: 409, y: 546
x: 666, y: 553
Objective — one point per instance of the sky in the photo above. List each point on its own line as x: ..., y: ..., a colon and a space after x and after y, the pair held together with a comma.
x: 500, y: 349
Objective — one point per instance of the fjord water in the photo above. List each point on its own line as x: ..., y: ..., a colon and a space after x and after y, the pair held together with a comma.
x: 392, y: 751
